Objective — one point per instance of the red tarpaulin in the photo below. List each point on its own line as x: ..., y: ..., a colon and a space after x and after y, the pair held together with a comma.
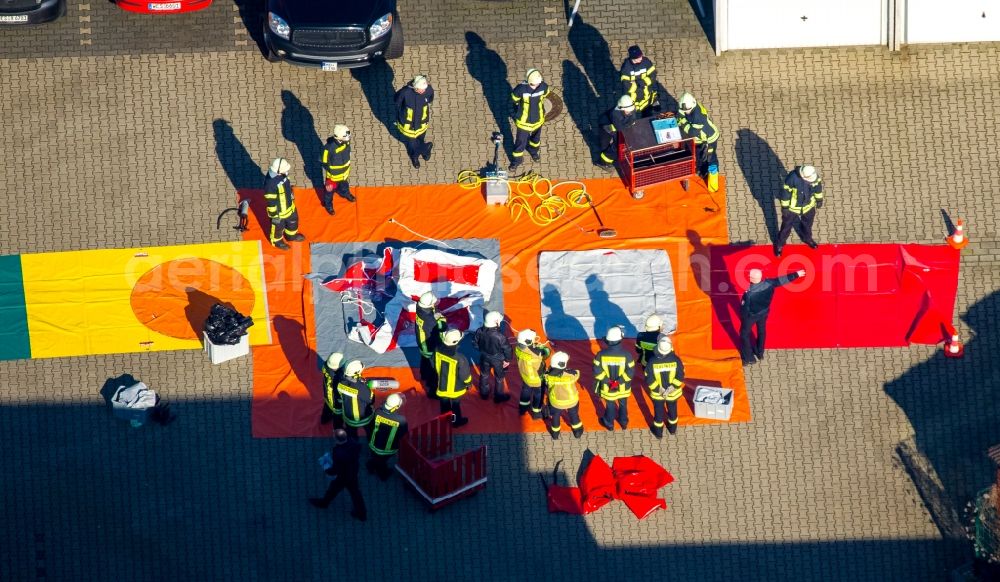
x: 634, y: 480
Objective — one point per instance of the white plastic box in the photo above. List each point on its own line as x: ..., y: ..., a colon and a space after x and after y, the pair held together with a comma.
x: 223, y: 353
x: 713, y: 402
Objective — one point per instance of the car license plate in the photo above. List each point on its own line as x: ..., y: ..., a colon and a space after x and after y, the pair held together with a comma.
x: 14, y: 18
x: 164, y: 6
x: 329, y: 66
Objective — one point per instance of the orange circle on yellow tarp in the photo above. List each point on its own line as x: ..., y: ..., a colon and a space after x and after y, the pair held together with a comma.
x: 175, y: 298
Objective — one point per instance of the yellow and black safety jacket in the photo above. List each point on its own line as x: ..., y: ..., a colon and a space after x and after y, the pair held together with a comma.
x: 388, y: 429
x: 639, y: 82
x: 413, y: 110
x: 428, y: 324
x: 665, y: 377
x: 278, y: 196
x: 453, y: 371
x: 331, y: 395
x: 529, y: 105
x: 645, y: 343
x: 337, y: 160
x: 697, y: 124
x: 531, y: 363
x: 613, y: 367
x: 355, y: 400
x: 564, y: 392
x: 798, y: 195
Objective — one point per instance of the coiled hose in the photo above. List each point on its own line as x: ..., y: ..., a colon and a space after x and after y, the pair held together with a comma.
x: 534, y: 196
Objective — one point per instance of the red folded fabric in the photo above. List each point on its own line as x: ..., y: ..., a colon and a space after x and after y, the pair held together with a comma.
x: 635, y: 480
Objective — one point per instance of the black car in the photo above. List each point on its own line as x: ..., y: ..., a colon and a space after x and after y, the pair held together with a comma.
x: 30, y: 11
x: 332, y: 34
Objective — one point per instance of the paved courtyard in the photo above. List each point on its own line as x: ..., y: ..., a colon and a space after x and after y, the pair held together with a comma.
x: 123, y: 130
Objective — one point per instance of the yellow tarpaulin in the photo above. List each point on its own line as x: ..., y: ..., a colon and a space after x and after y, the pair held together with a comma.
x: 132, y: 300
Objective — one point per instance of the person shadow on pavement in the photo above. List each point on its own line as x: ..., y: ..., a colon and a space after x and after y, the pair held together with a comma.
x: 490, y: 70
x: 244, y: 173
x: 763, y: 171
x: 593, y: 53
x: 298, y: 127
x: 377, y: 83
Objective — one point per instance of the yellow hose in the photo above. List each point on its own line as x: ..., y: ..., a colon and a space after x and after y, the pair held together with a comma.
x: 522, y: 192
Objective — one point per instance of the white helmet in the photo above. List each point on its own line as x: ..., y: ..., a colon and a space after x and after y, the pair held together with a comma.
x: 615, y: 334
x: 625, y: 103
x: 420, y: 82
x: 342, y: 132
x: 664, y: 345
x: 451, y: 337
x: 559, y: 360
x: 654, y: 323
x: 393, y: 402
x: 427, y: 300
x: 526, y: 337
x: 533, y: 77
x: 354, y: 368
x: 280, y: 166
x: 808, y: 174
x: 493, y: 319
x: 335, y: 360
x: 687, y: 103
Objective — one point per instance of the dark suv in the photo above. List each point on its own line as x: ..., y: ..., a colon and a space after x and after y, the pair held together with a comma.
x: 332, y: 34
x: 30, y: 11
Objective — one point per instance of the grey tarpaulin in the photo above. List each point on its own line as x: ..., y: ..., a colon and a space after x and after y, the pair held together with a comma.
x: 133, y: 402
x: 586, y: 292
x: 330, y: 259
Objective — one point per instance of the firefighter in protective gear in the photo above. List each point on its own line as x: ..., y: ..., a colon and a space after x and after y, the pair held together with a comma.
x: 531, y: 365
x: 693, y: 121
x: 388, y: 429
x: 613, y: 369
x: 612, y: 121
x: 529, y: 116
x: 665, y: 381
x: 454, y: 375
x: 645, y: 341
x: 563, y: 395
x: 280, y: 203
x: 413, y: 114
x: 638, y: 78
x: 337, y: 167
x: 429, y: 325
x: 333, y: 369
x: 494, y: 356
x: 801, y: 195
x: 355, y: 399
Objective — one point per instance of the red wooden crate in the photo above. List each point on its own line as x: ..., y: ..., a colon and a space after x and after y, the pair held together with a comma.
x: 426, y: 462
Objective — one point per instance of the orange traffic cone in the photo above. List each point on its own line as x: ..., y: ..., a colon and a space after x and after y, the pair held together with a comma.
x: 958, y: 240
x: 953, y: 347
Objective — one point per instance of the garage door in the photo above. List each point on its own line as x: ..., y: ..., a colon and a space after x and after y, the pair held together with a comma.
x: 756, y: 24
x: 953, y: 21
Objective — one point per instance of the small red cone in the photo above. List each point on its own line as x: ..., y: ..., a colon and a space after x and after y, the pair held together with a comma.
x: 958, y: 240
x: 953, y: 347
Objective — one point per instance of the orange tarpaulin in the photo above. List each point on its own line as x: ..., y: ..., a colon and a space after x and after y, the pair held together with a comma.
x: 287, y: 392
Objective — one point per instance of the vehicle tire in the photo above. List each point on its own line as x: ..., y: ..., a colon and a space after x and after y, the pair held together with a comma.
x: 395, y: 48
x: 266, y: 49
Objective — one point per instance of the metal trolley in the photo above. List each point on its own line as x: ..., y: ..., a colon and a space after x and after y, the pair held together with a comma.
x: 438, y: 476
x: 644, y: 162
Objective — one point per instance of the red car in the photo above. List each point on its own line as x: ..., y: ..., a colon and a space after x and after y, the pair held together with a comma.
x: 163, y: 6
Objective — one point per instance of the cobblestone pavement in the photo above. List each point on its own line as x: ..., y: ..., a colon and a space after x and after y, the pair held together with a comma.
x: 857, y: 463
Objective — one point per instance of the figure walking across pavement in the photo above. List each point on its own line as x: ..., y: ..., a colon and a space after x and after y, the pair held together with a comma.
x: 613, y: 369
x: 531, y: 365
x: 494, y: 357
x: 563, y: 396
x: 280, y: 203
x: 664, y: 375
x: 388, y: 430
x: 355, y: 399
x: 622, y: 116
x: 454, y: 376
x: 337, y: 167
x: 754, y: 309
x: 413, y: 115
x: 529, y: 115
x: 638, y: 79
x: 344, y: 470
x: 800, y: 196
x: 333, y: 411
x: 694, y: 122
x: 429, y: 325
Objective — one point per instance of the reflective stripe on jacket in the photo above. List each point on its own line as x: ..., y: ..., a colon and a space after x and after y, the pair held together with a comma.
x: 531, y: 364
x: 798, y: 195
x: 337, y: 160
x: 639, y: 82
x: 413, y: 111
x: 279, y: 197
x: 453, y: 371
x: 613, y: 368
x: 665, y: 377
x: 388, y: 430
x: 529, y: 106
x: 330, y: 394
x: 697, y: 125
x: 356, y: 400
x: 564, y: 393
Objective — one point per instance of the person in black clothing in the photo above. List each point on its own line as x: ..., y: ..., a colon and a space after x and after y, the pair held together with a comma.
x: 638, y: 78
x: 494, y: 355
x: 621, y: 117
x: 413, y: 114
x: 344, y: 471
x: 754, y: 308
x: 388, y: 430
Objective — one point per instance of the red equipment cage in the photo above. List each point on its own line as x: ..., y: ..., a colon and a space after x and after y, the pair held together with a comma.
x: 441, y: 478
